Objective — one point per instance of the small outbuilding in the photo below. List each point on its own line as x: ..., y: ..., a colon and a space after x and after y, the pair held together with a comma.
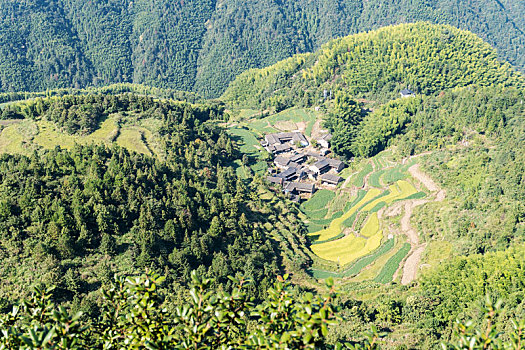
x: 324, y: 140
x: 407, y: 93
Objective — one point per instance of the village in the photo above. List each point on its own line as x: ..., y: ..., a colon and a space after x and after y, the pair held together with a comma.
x: 299, y: 167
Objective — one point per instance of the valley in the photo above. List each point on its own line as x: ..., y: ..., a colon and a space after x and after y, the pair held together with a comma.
x: 365, y: 195
x: 359, y: 229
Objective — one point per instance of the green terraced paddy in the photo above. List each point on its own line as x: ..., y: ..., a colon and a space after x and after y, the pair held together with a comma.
x: 358, y: 179
x: 391, y: 266
x: 348, y: 248
x: 374, y: 179
x: 335, y: 227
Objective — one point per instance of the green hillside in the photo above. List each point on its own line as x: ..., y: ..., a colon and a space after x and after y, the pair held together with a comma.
x: 202, y: 45
x: 92, y: 185
x: 143, y: 222
x: 377, y: 65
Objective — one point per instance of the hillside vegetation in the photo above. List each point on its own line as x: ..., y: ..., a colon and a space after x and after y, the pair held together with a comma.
x: 202, y: 45
x: 119, y: 180
x: 377, y: 65
x: 93, y: 185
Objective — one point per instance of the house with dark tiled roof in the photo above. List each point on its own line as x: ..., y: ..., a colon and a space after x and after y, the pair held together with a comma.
x: 324, y: 140
x: 321, y: 166
x: 275, y: 180
x: 299, y: 158
x: 335, y: 164
x: 279, y: 148
x: 273, y: 141
x: 299, y: 187
x: 281, y: 162
x: 330, y: 179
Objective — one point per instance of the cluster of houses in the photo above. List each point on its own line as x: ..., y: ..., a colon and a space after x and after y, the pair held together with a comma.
x: 298, y: 169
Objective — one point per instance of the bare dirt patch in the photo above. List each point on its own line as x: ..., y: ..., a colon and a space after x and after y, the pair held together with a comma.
x: 412, y: 262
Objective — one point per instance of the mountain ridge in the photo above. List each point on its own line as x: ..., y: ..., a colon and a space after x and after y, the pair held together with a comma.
x: 202, y: 45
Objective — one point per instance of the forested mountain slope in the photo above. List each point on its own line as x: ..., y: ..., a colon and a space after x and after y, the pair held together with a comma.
x: 424, y: 57
x: 167, y: 200
x: 202, y: 45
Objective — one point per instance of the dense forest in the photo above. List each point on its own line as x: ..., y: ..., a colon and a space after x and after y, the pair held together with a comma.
x: 376, y: 65
x: 203, y: 45
x: 74, y: 217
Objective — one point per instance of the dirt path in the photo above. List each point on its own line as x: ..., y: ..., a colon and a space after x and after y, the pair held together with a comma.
x: 301, y: 126
x: 412, y: 262
x: 316, y: 130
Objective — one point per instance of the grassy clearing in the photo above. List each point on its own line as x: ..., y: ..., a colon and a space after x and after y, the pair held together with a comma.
x: 391, y: 266
x: 49, y: 137
x: 358, y: 180
x: 261, y: 126
x: 286, y: 125
x: 309, y: 128
x: 14, y: 138
x: 247, y: 141
x: 132, y: 139
x: 107, y: 132
x: 247, y: 113
x: 371, y: 227
x: 319, y: 201
x: 286, y: 121
x: 335, y: 227
x: 293, y: 114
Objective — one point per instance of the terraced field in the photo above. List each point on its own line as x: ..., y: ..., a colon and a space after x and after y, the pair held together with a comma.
x: 287, y: 120
x: 359, y: 241
x: 350, y: 246
x: 348, y: 235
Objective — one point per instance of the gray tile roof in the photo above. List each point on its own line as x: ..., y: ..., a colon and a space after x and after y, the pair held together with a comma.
x: 282, y: 137
x: 280, y: 160
x: 274, y: 179
x: 333, y: 179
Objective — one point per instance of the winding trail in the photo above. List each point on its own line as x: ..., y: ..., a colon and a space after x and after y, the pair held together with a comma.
x: 412, y: 262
